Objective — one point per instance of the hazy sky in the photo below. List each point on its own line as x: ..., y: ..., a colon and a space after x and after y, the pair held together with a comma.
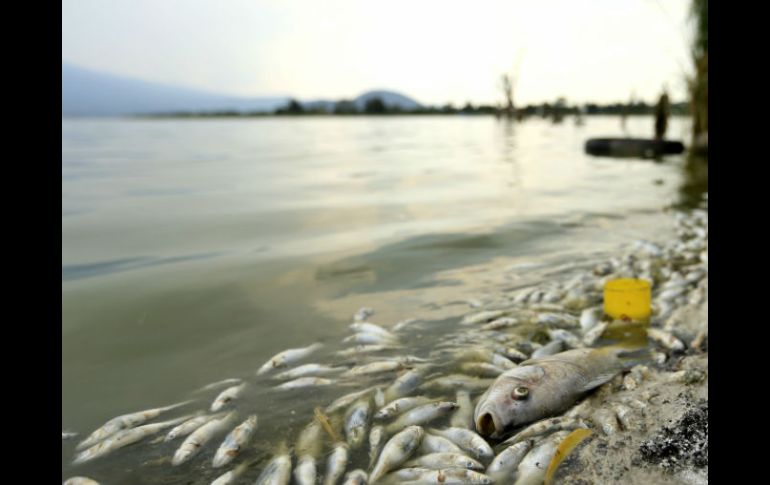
x: 435, y: 51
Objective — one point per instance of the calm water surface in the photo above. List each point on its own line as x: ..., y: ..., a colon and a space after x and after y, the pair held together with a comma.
x: 193, y: 250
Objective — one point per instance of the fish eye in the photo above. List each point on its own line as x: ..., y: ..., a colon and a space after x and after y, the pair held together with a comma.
x: 521, y: 392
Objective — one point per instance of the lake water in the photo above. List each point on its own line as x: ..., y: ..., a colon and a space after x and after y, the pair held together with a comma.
x: 194, y: 250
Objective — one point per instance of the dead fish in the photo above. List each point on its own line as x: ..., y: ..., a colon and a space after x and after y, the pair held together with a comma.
x: 396, y: 451
x: 545, y: 426
x: 569, y: 339
x: 124, y: 422
x: 287, y: 357
x: 304, y: 382
x: 500, y: 323
x: 347, y: 399
x: 481, y: 369
x: 277, y: 472
x: 365, y: 338
x: 482, y: 317
x: 193, y: 444
x: 227, y: 396
x: 507, y: 460
x: 592, y: 335
x: 468, y: 441
x: 373, y: 368
x: 437, y: 444
x: 557, y: 320
x: 356, y: 477
x: 422, y: 415
x: 310, y: 441
x: 337, y: 463
x: 357, y: 421
x: 439, y: 461
x: 452, y: 382
x: 365, y: 349
x: 666, y: 339
x: 80, y: 481
x: 399, y: 406
x: 376, y: 442
x: 368, y: 327
x: 532, y: 469
x: 123, y: 438
x: 447, y: 476
x: 539, y: 388
x: 305, y: 471
x: 549, y: 349
x: 405, y: 384
x: 309, y: 370
x: 230, y: 477
x: 189, y: 426
x: 235, y: 441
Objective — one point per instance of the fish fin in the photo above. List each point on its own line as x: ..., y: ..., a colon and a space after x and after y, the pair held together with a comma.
x: 599, y: 380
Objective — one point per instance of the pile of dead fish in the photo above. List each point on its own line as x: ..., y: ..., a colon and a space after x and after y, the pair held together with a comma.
x: 495, y: 398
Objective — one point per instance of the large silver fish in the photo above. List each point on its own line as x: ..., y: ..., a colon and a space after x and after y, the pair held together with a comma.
x: 539, y: 388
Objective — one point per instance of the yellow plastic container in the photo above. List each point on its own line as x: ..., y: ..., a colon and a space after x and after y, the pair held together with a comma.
x: 628, y: 299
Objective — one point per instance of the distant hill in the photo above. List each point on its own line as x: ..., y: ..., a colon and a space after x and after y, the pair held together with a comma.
x: 91, y: 93
x: 389, y: 98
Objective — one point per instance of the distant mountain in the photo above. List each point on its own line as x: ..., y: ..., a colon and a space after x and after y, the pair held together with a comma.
x: 91, y: 93
x: 390, y: 98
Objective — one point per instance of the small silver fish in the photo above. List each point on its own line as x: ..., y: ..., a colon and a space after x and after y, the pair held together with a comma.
x: 227, y: 396
x: 193, y: 444
x: 337, y: 462
x: 235, y: 441
x: 309, y: 370
x: 357, y: 421
x: 405, y: 384
x: 482, y: 317
x: 400, y: 406
x: 364, y: 338
x: 437, y: 444
x: 468, y: 441
x: 287, y: 357
x: 439, y: 461
x: 304, y: 382
x: 124, y: 422
x: 508, y: 459
x: 189, y: 426
x: 80, y: 481
x: 532, y: 469
x: 376, y: 442
x: 396, y: 451
x: 421, y: 415
x: 230, y: 477
x: 305, y: 471
x: 277, y: 472
x: 123, y: 438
